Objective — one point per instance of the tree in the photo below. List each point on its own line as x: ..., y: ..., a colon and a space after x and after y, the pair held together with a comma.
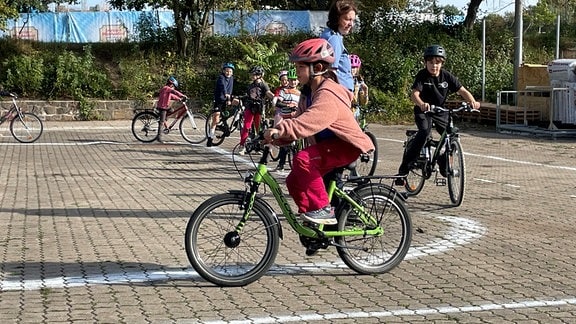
x: 472, y: 13
x: 10, y: 9
x: 540, y: 16
x: 191, y: 17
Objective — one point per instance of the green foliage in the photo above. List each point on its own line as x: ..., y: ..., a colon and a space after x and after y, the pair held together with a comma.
x: 397, y: 106
x: 390, y: 47
x: 24, y: 74
x: 137, y: 80
x: 86, y: 110
x: 78, y: 76
x: 259, y: 54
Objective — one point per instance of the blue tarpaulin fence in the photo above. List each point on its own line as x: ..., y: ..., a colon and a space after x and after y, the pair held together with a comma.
x: 113, y: 26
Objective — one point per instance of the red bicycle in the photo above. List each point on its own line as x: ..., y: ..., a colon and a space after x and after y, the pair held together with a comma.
x: 191, y: 124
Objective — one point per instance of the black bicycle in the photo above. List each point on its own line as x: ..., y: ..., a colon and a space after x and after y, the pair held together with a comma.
x: 230, y: 120
x: 447, y: 151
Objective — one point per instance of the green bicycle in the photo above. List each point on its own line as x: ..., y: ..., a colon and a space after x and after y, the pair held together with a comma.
x: 232, y: 239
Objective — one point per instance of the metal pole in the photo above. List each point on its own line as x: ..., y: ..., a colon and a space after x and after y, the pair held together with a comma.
x: 517, y: 41
x: 484, y: 59
x: 558, y: 37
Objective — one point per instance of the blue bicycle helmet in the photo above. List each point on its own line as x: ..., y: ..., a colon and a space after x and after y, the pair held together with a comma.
x: 228, y: 65
x: 172, y: 80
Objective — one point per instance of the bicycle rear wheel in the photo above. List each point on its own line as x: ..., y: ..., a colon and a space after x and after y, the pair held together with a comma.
x: 145, y: 126
x: 193, y: 130
x: 26, y: 129
x: 219, y: 253
x: 375, y: 254
x: 366, y: 163
x: 219, y: 132
x: 455, y: 172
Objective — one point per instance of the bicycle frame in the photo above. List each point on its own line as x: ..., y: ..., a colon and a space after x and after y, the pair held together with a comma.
x: 12, y: 112
x: 179, y: 112
x: 263, y: 176
x: 235, y: 114
x: 444, y: 140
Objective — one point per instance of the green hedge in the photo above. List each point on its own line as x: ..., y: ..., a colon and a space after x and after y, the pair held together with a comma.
x: 138, y: 70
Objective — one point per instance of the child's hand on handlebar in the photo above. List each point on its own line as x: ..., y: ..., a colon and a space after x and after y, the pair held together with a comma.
x: 270, y: 135
x: 475, y: 104
x: 425, y: 106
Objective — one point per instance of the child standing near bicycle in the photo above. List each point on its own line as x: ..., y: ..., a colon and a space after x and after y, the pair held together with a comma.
x: 329, y: 126
x: 222, y: 97
x: 166, y: 95
x: 257, y: 93
x: 431, y: 86
x: 286, y: 103
x: 360, y: 88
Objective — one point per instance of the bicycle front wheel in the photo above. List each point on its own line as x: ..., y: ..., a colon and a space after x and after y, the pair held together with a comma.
x: 193, y: 130
x: 381, y: 253
x: 366, y: 163
x: 416, y: 178
x: 26, y: 128
x: 221, y: 254
x: 145, y: 126
x: 219, y: 129
x: 455, y: 172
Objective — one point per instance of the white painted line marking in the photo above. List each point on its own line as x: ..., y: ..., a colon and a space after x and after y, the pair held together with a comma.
x: 484, y: 180
x: 522, y: 162
x: 460, y: 231
x: 400, y: 312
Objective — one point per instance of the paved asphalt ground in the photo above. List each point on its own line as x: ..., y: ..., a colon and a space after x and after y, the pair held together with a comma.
x: 92, y: 230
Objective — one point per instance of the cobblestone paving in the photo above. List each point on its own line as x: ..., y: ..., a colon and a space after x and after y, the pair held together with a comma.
x: 92, y: 231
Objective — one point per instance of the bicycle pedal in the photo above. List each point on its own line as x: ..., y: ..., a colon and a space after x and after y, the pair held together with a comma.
x: 440, y: 182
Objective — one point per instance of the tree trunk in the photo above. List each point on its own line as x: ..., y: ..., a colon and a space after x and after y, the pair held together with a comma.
x: 472, y: 13
x: 181, y: 38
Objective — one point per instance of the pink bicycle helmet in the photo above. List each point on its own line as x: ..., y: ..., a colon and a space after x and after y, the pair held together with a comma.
x: 313, y: 50
x: 355, y: 61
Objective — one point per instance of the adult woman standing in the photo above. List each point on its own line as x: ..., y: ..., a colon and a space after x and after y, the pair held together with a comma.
x: 341, y: 17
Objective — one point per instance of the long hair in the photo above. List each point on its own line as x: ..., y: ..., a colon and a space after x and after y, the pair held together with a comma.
x: 337, y: 9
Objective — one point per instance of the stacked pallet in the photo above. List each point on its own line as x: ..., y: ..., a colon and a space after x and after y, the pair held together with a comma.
x: 508, y: 114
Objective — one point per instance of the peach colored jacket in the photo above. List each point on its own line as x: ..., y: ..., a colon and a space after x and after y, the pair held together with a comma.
x: 330, y: 109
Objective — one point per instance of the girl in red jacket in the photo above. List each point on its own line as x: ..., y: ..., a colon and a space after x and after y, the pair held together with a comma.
x: 327, y: 122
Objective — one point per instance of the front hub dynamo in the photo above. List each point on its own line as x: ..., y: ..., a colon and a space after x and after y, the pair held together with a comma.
x: 232, y: 239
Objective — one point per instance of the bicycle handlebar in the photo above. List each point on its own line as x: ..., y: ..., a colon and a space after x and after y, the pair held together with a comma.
x: 464, y: 106
x: 8, y: 94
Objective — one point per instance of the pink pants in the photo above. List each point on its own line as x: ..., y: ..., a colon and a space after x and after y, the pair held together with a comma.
x: 305, y: 183
x: 249, y: 118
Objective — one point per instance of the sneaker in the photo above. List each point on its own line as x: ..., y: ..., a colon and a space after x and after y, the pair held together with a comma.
x: 321, y: 216
x: 209, y: 142
x: 400, y: 179
x: 241, y: 150
x: 311, y: 251
x: 279, y: 168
